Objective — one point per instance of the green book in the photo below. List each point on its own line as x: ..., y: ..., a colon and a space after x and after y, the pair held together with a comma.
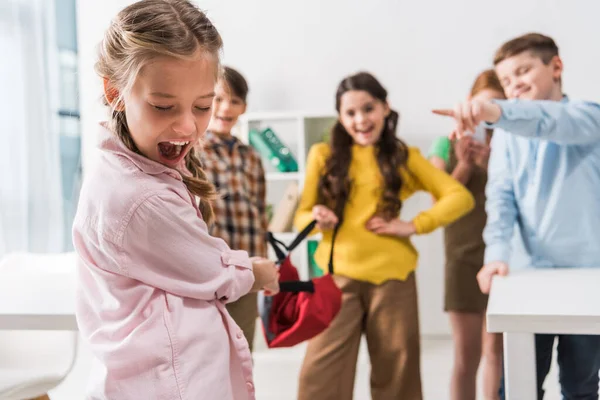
x: 313, y: 269
x: 287, y: 162
x: 257, y: 141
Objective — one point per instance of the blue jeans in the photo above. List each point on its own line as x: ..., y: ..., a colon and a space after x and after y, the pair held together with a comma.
x: 578, y: 361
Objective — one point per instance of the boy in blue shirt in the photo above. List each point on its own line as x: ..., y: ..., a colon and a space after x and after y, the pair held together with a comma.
x: 543, y: 175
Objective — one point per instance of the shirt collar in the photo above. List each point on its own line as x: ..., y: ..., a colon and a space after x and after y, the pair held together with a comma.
x: 213, y: 138
x: 109, y: 142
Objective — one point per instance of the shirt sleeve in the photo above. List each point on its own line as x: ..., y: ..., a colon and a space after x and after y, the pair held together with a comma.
x: 440, y: 148
x: 315, y: 163
x: 501, y: 206
x: 167, y: 245
x: 453, y: 200
x: 261, y: 198
x: 564, y: 122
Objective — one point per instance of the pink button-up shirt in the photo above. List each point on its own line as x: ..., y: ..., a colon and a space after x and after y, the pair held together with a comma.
x: 153, y: 286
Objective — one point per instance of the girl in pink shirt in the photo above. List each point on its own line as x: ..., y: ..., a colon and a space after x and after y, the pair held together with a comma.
x: 153, y: 283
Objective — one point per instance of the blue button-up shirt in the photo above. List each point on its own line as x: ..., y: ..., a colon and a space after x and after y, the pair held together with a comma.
x: 544, y: 175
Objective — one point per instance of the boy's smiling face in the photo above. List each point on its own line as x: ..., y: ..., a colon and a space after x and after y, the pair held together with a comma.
x: 227, y: 108
x: 525, y: 76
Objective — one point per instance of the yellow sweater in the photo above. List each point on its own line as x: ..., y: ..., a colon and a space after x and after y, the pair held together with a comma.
x: 359, y: 253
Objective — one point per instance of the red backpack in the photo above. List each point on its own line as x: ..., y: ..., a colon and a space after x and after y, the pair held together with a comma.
x: 302, y: 309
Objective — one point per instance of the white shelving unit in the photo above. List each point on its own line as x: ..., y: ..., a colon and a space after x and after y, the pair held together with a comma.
x: 282, y: 176
x: 299, y: 131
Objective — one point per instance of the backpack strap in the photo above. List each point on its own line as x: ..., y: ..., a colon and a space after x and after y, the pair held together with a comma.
x: 279, y: 246
x: 335, y: 232
x: 302, y: 235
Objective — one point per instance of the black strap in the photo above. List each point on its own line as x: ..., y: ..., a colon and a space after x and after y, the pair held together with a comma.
x: 297, y: 286
x: 278, y: 245
x: 302, y: 235
x: 281, y: 255
x: 335, y: 232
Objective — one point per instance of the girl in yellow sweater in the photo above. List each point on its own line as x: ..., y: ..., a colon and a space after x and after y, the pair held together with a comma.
x: 360, y: 180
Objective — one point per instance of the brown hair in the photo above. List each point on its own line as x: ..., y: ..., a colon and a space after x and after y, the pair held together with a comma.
x: 487, y: 80
x: 235, y: 82
x: 141, y: 32
x: 539, y: 45
x: 392, y: 153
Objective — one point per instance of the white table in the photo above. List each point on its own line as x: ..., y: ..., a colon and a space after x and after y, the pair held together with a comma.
x: 37, y: 292
x: 557, y: 301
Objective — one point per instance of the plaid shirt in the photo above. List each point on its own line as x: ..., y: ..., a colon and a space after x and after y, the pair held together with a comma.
x: 240, y: 212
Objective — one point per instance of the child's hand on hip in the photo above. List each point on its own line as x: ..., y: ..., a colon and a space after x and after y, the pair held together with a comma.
x: 463, y: 152
x: 480, y: 154
x: 469, y: 114
x: 487, y: 272
x: 326, y: 219
x: 394, y: 227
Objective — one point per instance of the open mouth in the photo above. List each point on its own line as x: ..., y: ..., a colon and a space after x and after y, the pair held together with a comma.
x: 172, y: 151
x: 225, y: 119
x: 365, y: 132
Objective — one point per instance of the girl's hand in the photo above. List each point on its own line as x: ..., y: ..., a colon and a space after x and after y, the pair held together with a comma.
x: 326, y: 219
x: 480, y: 153
x: 271, y: 289
x: 395, y: 227
x: 463, y: 152
x: 265, y: 274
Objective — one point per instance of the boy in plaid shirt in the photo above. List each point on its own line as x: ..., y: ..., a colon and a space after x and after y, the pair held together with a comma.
x: 236, y: 170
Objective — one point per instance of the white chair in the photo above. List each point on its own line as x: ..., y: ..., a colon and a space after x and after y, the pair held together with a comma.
x: 32, y: 362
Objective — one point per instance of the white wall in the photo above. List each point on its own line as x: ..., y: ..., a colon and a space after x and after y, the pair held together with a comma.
x: 426, y: 53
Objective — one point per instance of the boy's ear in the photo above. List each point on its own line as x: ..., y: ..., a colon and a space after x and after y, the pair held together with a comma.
x: 112, y: 95
x: 244, y: 109
x: 557, y: 67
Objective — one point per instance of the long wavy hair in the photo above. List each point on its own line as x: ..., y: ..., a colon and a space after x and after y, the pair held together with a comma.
x: 392, y: 154
x: 141, y: 32
x: 487, y: 80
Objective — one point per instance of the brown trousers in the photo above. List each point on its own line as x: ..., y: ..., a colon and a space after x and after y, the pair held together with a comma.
x: 388, y: 315
x: 244, y: 312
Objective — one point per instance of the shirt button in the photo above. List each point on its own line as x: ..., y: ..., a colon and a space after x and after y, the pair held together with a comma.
x: 249, y: 385
x: 240, y: 334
